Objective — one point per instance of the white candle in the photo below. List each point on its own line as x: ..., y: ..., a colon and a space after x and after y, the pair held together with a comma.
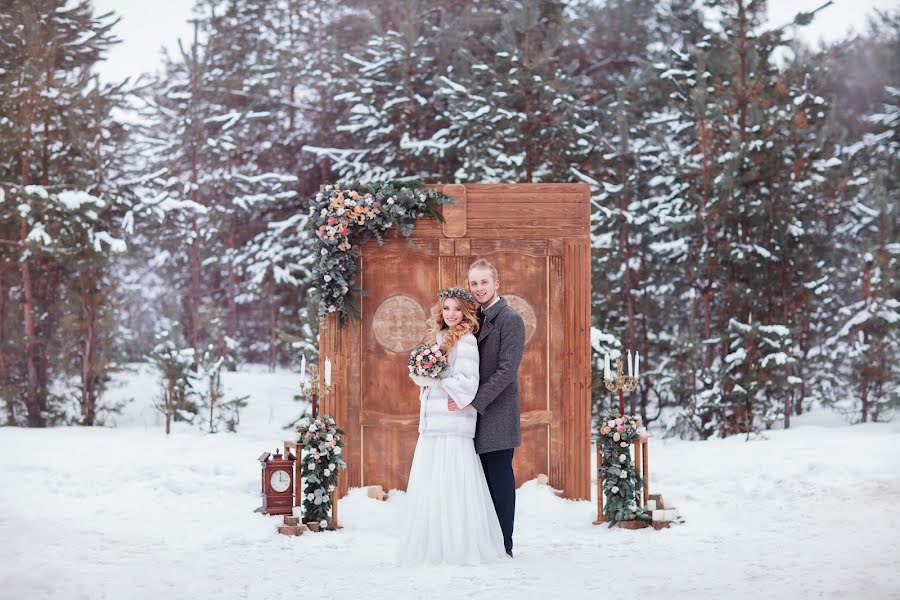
x: 303, y: 368
x: 327, y: 371
x: 637, y: 364
x: 606, y: 373
x: 629, y: 365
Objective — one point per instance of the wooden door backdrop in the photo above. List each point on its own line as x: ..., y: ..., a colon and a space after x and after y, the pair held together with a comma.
x: 538, y: 237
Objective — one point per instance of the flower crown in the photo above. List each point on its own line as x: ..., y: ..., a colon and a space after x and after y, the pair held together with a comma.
x: 455, y: 292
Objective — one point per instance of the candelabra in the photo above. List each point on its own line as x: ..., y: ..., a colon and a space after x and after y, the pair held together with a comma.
x: 624, y: 384
x: 312, y: 389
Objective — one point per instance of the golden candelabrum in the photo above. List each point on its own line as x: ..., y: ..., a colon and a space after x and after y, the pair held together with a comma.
x: 624, y: 384
x: 312, y: 388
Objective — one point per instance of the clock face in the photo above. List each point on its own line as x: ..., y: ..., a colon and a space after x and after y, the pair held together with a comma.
x: 280, y: 480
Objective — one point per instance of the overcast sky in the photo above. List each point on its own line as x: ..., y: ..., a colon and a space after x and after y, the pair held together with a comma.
x: 146, y: 27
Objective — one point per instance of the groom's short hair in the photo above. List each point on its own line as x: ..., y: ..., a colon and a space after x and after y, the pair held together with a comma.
x: 483, y: 263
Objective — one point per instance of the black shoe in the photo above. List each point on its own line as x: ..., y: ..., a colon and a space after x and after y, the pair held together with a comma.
x: 509, y: 553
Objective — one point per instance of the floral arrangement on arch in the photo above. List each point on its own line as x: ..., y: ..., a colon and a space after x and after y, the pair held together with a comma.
x: 345, y: 217
x: 621, y: 481
x: 323, y: 441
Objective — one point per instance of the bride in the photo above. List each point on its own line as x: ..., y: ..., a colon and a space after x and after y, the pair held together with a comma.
x: 450, y: 517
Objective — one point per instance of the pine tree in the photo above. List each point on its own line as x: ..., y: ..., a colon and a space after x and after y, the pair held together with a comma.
x: 514, y: 106
x: 393, y: 122
x: 59, y: 145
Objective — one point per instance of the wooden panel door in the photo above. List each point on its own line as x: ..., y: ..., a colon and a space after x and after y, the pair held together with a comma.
x: 400, y: 280
x: 538, y: 237
x: 525, y: 284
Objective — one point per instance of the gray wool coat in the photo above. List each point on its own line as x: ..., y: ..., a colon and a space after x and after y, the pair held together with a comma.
x: 501, y: 342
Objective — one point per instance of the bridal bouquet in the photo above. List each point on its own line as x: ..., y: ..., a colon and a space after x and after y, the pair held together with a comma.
x: 427, y: 361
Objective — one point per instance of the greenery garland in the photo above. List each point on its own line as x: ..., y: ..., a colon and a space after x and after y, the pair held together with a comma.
x: 323, y: 441
x: 345, y: 217
x: 621, y: 481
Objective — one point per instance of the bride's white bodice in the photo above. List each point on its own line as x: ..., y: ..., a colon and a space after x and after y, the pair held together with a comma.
x: 460, y: 382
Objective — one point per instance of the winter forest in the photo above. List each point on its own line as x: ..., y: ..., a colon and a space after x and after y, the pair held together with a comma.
x: 744, y: 191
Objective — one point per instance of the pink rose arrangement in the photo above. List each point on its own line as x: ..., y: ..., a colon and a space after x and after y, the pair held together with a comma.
x: 621, y: 481
x: 426, y: 360
x: 323, y: 445
x: 343, y: 217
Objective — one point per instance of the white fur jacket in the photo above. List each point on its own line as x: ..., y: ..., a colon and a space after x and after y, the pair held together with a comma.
x: 459, y: 381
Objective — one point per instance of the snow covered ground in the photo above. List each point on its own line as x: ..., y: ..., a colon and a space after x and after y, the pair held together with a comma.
x: 128, y: 513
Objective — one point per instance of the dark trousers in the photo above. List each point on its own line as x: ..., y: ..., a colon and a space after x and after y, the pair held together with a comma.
x: 501, y: 480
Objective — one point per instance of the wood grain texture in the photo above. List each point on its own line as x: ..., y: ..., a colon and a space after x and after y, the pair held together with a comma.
x: 455, y: 215
x: 577, y: 420
x: 538, y: 237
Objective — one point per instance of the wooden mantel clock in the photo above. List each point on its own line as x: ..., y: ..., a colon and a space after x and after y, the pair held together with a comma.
x: 277, y: 483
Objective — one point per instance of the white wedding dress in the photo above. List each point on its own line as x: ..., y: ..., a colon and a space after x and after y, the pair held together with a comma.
x: 449, y: 517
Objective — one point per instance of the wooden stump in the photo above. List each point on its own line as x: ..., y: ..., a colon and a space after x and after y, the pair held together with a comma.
x: 292, y: 521
x: 657, y: 525
x: 635, y: 524
x: 313, y: 526
x: 292, y: 529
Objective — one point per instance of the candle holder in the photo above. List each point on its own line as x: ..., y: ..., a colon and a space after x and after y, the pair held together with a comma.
x: 624, y: 384
x: 312, y: 389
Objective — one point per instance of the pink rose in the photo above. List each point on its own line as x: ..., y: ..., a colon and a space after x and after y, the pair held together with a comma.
x: 619, y: 421
x: 332, y: 221
x: 620, y: 429
x: 605, y: 430
x: 616, y: 437
x: 624, y: 444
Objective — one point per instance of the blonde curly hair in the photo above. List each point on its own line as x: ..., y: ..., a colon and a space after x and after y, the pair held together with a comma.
x: 469, y: 323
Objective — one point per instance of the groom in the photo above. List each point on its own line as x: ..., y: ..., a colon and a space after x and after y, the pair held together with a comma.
x: 501, y: 341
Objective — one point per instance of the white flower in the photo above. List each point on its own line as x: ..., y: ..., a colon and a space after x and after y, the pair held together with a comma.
x: 332, y: 308
x: 621, y: 458
x: 310, y: 497
x: 326, y: 472
x: 611, y: 423
x: 329, y: 437
x: 327, y: 278
x: 614, y: 489
x: 313, y: 427
x: 331, y: 466
x: 323, y: 523
x: 330, y: 488
x: 324, y: 252
x: 623, y: 474
x: 312, y: 464
x: 337, y: 450
x: 390, y: 200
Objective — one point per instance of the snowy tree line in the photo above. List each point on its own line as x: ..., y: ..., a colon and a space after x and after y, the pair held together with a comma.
x: 744, y: 187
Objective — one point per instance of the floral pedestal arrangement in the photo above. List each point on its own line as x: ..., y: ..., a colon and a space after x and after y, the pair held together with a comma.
x: 618, y: 481
x: 322, y: 443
